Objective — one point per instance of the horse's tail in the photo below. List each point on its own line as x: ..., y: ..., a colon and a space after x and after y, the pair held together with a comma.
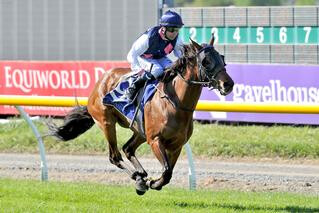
x: 75, y: 123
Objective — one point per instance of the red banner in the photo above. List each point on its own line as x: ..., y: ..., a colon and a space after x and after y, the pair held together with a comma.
x: 43, y: 78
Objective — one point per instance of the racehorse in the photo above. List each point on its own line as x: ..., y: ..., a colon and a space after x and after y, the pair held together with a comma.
x: 168, y: 116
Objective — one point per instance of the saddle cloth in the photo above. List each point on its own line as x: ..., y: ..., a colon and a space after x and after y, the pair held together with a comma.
x: 118, y: 100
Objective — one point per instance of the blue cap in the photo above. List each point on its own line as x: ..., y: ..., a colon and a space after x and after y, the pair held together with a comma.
x: 171, y: 19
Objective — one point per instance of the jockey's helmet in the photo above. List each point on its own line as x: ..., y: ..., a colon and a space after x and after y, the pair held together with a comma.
x: 171, y: 19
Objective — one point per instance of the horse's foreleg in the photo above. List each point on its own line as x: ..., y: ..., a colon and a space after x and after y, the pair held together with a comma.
x: 160, y: 153
x: 129, y: 149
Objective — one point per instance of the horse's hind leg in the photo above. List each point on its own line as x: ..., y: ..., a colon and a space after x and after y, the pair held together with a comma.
x: 115, y: 156
x: 129, y: 149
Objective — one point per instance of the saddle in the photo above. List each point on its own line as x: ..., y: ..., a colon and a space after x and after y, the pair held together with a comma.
x: 118, y: 100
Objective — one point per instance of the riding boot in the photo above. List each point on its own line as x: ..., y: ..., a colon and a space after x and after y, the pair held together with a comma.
x: 137, y: 84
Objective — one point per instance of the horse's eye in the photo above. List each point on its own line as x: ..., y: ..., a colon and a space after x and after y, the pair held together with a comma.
x: 205, y: 62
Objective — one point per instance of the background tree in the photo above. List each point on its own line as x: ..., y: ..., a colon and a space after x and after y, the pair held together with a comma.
x: 257, y: 2
x: 306, y: 2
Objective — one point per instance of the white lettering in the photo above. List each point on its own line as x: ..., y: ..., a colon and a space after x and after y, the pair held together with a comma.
x: 266, y: 93
x: 292, y: 95
x: 281, y: 91
x: 249, y: 95
x: 275, y: 92
x: 98, y: 71
x: 302, y: 94
x: 64, y: 79
x: 237, y: 92
x: 43, y: 79
x: 257, y: 92
x: 54, y: 75
x: 74, y: 81
x: 34, y: 79
x: 26, y: 80
x: 17, y: 80
x: 8, y: 76
x: 313, y: 95
x: 84, y: 79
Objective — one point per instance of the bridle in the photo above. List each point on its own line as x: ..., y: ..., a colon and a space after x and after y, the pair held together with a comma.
x: 207, y: 78
x: 204, y: 80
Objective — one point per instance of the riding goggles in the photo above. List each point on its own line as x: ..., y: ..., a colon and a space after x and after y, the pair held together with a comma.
x: 173, y: 29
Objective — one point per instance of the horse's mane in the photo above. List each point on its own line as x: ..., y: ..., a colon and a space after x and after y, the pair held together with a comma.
x: 187, y: 59
x: 188, y: 56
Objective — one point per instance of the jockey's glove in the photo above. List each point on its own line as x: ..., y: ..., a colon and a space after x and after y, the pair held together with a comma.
x: 148, y: 76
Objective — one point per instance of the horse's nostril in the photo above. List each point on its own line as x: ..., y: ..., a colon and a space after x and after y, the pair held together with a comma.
x: 228, y: 86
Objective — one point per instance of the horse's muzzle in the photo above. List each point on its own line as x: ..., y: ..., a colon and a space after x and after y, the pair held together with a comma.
x: 226, y: 87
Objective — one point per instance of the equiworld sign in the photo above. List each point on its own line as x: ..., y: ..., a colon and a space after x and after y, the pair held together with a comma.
x: 291, y: 84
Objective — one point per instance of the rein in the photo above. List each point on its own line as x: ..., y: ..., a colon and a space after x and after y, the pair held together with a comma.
x: 190, y: 82
x: 175, y: 105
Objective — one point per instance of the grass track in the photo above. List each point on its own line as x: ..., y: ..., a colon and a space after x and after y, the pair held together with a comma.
x: 287, y: 142
x: 36, y: 196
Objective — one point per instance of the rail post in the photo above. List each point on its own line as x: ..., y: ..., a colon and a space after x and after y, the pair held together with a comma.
x: 44, y: 168
x: 191, y: 168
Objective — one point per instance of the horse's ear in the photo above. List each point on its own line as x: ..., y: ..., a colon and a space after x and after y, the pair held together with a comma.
x: 212, y: 40
x: 196, y: 45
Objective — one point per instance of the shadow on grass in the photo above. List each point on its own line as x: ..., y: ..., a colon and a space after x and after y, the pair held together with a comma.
x: 245, y: 208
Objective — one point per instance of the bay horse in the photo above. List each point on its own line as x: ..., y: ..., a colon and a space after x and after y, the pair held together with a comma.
x: 168, y: 116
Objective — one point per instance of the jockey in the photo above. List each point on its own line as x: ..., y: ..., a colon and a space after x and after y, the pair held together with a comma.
x: 149, y: 52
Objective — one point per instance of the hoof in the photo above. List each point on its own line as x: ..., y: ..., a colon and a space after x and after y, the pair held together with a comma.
x: 153, y: 184
x: 140, y: 192
x: 140, y: 186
